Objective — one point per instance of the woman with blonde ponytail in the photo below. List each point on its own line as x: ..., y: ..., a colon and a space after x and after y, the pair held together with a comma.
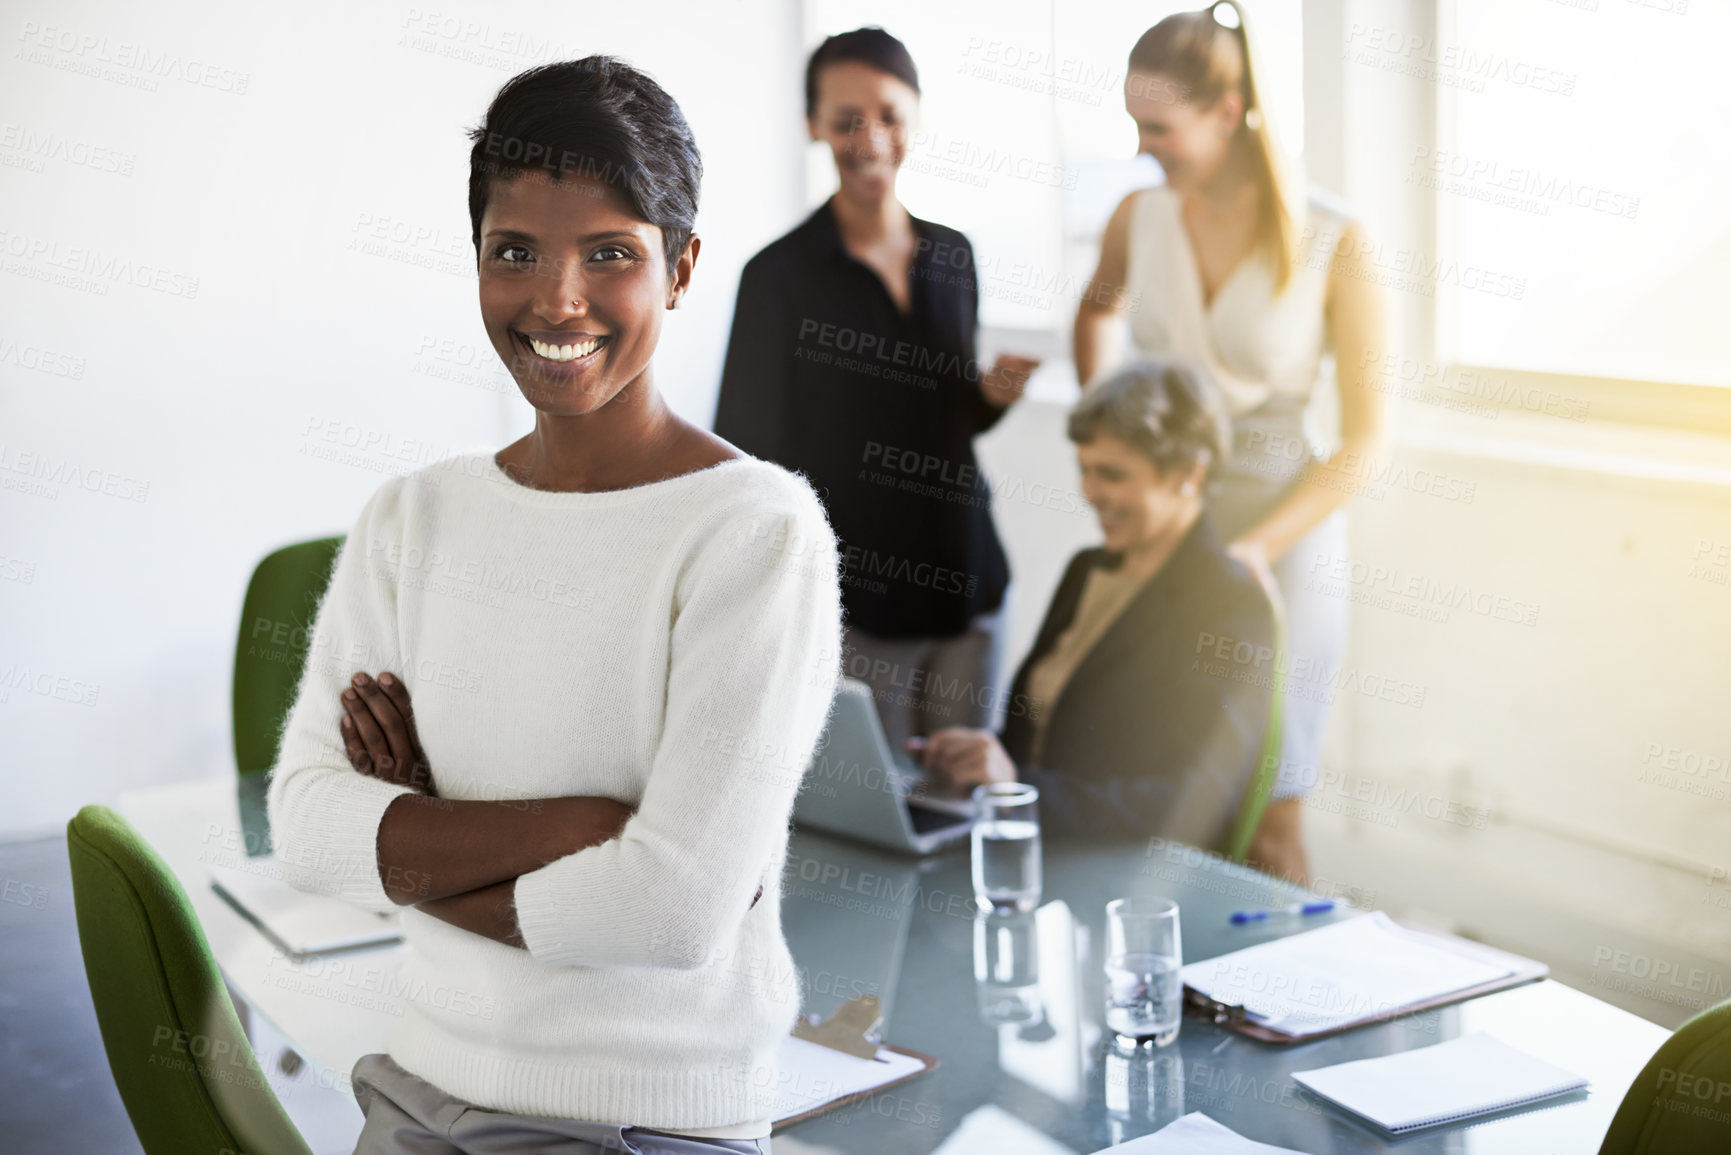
x: 1234, y: 263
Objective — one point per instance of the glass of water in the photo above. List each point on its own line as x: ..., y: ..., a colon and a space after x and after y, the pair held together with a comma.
x: 1006, y: 846
x: 1144, y: 995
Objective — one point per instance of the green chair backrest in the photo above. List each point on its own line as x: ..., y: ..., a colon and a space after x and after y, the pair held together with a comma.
x: 175, y: 1048
x: 1267, y: 771
x: 1681, y: 1100
x: 276, y: 622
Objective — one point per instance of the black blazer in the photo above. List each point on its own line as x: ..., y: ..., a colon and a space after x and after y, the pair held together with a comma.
x: 879, y: 409
x: 1162, y: 722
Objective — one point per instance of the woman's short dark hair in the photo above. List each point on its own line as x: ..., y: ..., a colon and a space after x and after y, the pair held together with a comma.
x: 1170, y: 411
x: 596, y: 117
x: 871, y: 46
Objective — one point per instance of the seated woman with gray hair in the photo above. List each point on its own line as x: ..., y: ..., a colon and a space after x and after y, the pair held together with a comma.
x: 1141, y: 708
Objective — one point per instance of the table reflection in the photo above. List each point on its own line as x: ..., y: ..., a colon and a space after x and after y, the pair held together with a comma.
x: 1007, y: 970
x: 1142, y: 1088
x: 1043, y: 954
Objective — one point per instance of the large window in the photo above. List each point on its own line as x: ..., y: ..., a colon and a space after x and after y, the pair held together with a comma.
x: 1580, y: 155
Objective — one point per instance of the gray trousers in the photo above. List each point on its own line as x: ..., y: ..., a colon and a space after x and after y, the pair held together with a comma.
x: 922, y: 685
x: 406, y: 1115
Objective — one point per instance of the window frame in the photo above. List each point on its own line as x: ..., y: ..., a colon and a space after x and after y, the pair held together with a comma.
x: 1634, y: 403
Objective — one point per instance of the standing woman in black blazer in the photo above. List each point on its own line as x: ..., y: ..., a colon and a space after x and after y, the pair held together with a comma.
x: 1142, y: 706
x: 852, y: 360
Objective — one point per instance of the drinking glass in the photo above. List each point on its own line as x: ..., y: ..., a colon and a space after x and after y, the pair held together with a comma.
x: 1144, y: 995
x: 1006, y: 846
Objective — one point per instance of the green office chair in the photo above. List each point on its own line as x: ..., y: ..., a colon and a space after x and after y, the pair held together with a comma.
x: 1267, y: 771
x: 1681, y: 1100
x: 175, y: 1047
x: 276, y: 622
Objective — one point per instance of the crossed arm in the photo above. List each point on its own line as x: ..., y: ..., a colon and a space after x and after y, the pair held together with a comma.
x: 455, y: 859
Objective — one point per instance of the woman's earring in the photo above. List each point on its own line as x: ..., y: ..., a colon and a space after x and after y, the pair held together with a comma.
x: 1188, y: 489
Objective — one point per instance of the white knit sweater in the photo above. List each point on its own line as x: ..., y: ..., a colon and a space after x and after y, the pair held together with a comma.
x: 674, y: 646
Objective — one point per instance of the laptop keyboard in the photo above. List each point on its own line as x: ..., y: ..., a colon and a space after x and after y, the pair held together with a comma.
x: 925, y: 820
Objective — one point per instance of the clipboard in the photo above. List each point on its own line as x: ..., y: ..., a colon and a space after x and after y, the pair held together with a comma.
x: 1521, y: 970
x: 849, y: 1032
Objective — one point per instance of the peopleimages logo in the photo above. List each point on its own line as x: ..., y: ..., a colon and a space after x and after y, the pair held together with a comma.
x: 970, y: 162
x: 1376, y: 584
x: 101, y: 266
x: 88, y: 53
x: 1527, y: 184
x: 373, y: 987
x: 38, y: 146
x: 1385, y: 372
x: 961, y: 483
x: 1221, y: 656
x: 875, y: 347
x: 1456, y: 65
x: 1283, y: 455
x: 1402, y: 269
x: 41, y: 360
x: 1662, y: 973
x: 867, y: 568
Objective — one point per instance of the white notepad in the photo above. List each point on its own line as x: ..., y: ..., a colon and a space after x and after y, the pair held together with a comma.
x: 813, y: 1075
x: 1472, y: 1075
x: 1195, y: 1134
x: 1341, y: 973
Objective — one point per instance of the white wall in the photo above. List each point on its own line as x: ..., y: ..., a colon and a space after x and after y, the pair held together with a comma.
x: 201, y: 183
x: 1590, y: 747
x: 1545, y: 736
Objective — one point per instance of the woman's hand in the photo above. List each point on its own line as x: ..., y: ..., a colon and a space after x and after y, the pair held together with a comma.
x: 966, y: 758
x: 1254, y: 556
x: 379, y: 732
x: 1002, y: 385
x: 1357, y: 327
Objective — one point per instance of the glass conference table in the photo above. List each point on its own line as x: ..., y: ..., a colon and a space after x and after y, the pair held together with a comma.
x: 1012, y: 1008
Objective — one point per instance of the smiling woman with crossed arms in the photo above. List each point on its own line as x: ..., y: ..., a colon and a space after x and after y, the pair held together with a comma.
x: 595, y: 963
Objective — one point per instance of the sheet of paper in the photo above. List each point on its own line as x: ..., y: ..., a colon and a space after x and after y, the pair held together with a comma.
x: 1472, y: 1075
x: 1195, y: 1134
x: 1338, y: 974
x: 812, y: 1074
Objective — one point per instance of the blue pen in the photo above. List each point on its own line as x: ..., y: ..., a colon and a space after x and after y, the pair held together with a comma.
x: 1243, y: 916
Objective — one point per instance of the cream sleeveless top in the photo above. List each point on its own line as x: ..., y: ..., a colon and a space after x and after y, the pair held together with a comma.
x: 1257, y: 346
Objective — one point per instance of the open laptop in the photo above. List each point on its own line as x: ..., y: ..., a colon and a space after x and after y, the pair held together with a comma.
x: 857, y: 787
